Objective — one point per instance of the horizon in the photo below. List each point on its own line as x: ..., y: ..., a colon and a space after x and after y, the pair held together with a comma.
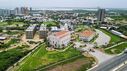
x: 64, y: 8
x: 63, y: 3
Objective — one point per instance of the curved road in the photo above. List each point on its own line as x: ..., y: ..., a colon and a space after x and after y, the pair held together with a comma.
x: 110, y: 64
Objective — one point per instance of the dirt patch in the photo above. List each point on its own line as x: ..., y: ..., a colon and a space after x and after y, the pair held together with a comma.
x: 72, y: 66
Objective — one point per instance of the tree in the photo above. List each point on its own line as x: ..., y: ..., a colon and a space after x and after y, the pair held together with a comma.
x: 9, y: 22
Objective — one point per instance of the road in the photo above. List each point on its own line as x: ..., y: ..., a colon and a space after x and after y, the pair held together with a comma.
x: 111, y: 63
x: 123, y: 68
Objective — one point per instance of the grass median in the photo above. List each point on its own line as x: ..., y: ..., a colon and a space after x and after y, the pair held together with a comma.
x: 117, y: 49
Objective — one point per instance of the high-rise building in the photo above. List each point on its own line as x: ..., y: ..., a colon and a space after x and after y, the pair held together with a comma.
x: 30, y: 9
x: 22, y: 11
x: 6, y: 12
x: 101, y: 15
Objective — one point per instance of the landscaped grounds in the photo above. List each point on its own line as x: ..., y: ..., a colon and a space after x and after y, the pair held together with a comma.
x: 117, y: 49
x: 41, y: 58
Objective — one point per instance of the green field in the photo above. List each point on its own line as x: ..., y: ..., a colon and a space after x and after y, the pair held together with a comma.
x: 114, y: 38
x: 117, y: 49
x: 42, y: 57
x: 12, y: 23
x: 119, y: 18
x: 8, y: 58
x: 51, y: 23
x: 3, y: 23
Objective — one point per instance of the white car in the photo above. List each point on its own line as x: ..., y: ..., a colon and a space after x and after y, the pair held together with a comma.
x: 125, y: 51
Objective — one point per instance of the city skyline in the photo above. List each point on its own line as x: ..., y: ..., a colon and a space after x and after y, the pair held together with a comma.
x: 63, y: 3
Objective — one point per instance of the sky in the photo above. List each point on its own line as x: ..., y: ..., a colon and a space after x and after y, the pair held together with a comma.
x: 64, y: 3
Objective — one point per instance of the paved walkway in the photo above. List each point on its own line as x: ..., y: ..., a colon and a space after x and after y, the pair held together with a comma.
x: 102, y: 39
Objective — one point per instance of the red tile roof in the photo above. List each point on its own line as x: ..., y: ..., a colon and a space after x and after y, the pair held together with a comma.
x: 61, y: 34
x: 87, y: 33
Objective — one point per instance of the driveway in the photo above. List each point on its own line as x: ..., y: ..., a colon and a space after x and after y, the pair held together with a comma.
x: 100, y: 56
x: 103, y: 39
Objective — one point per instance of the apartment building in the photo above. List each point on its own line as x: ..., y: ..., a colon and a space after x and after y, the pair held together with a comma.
x: 30, y: 31
x: 43, y: 32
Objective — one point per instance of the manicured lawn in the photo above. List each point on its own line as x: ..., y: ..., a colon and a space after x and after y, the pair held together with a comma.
x: 42, y: 57
x: 8, y: 58
x: 118, y: 49
x: 51, y: 23
x: 114, y: 38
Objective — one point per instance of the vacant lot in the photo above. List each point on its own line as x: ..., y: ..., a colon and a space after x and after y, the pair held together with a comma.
x: 77, y: 65
x: 117, y: 49
x: 42, y: 57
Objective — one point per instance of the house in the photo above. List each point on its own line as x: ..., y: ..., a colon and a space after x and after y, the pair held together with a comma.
x: 87, y: 35
x: 59, y: 39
